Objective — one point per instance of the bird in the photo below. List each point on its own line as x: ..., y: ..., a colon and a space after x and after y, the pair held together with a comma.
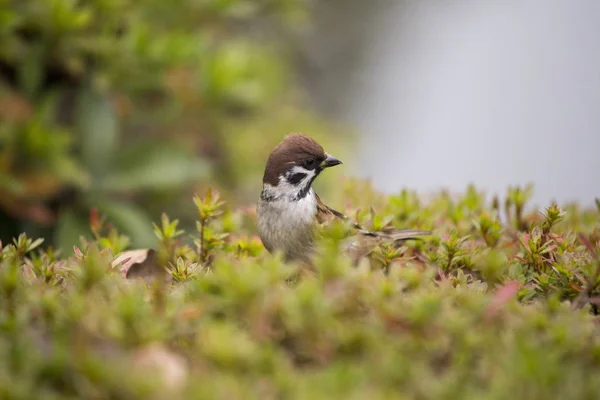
x: 289, y: 210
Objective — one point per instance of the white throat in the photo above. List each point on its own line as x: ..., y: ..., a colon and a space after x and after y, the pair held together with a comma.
x: 285, y: 222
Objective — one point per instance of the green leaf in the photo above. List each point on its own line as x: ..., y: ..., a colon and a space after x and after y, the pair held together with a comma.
x: 9, y: 19
x: 131, y: 221
x: 30, y: 72
x: 154, y: 166
x: 11, y: 184
x: 71, y: 172
x: 36, y: 243
x: 97, y: 128
x: 69, y: 229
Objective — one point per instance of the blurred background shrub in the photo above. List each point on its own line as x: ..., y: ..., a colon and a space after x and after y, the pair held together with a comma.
x: 130, y: 106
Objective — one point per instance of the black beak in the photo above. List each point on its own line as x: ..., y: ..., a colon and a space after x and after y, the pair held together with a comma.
x: 330, y: 161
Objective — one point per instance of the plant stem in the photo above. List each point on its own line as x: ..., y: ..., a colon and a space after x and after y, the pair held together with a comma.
x: 201, y: 249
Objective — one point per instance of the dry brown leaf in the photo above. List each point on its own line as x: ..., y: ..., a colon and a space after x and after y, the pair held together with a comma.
x: 139, y: 263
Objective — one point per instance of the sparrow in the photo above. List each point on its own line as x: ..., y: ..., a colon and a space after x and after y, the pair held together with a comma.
x: 289, y: 210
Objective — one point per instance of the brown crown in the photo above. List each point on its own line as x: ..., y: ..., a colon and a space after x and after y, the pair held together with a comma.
x: 292, y: 149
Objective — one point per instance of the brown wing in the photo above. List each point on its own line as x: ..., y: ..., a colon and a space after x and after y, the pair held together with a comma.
x: 326, y: 213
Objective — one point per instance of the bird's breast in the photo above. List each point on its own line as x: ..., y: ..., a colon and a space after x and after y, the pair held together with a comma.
x: 287, y: 226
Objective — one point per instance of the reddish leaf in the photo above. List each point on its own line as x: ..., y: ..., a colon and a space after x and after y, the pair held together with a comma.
x: 502, y: 296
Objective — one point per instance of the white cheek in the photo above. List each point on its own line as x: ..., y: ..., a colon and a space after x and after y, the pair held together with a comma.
x: 296, y: 169
x: 286, y: 190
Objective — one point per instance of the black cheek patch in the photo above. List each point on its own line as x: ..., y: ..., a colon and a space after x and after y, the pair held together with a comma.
x: 296, y: 178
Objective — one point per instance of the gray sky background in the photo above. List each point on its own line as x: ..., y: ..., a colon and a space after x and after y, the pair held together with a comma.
x: 490, y: 92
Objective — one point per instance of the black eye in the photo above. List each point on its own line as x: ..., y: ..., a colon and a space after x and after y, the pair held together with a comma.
x: 310, y: 162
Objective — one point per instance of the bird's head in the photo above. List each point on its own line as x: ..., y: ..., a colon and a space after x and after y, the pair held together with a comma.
x: 294, y: 164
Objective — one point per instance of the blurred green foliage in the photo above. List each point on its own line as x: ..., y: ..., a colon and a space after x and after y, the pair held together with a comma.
x: 496, y: 304
x: 128, y: 106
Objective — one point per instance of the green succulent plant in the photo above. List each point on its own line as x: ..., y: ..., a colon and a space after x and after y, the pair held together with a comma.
x: 486, y: 307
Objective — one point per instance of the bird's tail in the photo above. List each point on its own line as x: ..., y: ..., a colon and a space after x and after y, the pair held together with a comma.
x: 368, y: 240
x: 394, y: 235
x: 387, y: 235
